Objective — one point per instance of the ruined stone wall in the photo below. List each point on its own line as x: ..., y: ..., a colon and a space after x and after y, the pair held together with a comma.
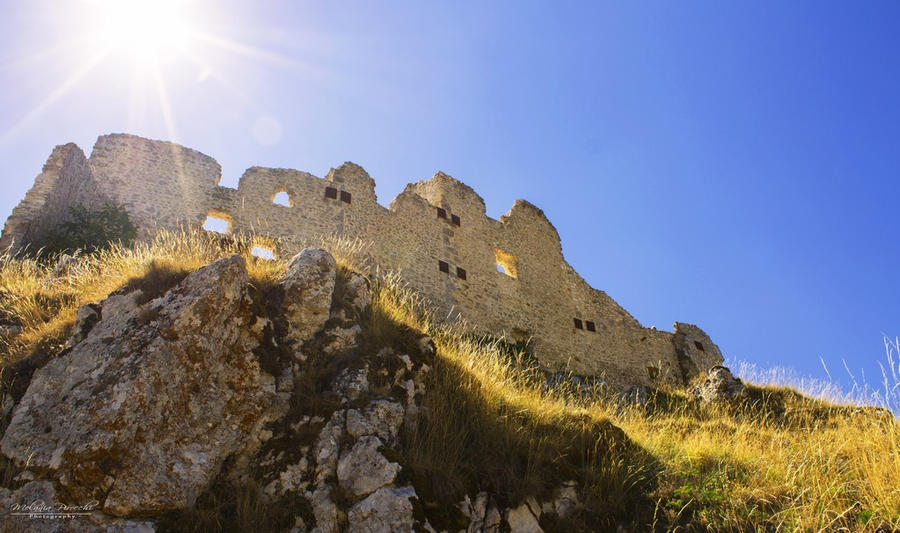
x: 435, y: 234
x: 159, y: 183
x: 65, y: 180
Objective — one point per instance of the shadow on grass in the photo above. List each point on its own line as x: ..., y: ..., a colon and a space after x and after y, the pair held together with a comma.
x: 467, y: 442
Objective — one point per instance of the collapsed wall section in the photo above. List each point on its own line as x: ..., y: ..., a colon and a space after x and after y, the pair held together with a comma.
x: 65, y: 180
x: 504, y: 277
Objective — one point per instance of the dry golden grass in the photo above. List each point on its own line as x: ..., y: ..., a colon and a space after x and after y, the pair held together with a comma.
x: 775, y: 461
x: 43, y: 298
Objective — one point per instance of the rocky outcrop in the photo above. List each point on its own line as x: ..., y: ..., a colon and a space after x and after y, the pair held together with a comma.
x: 35, y: 508
x: 524, y: 518
x: 308, y: 288
x: 387, y: 510
x: 141, y: 413
x: 720, y: 385
x: 351, y: 481
x: 153, y: 404
x: 363, y: 469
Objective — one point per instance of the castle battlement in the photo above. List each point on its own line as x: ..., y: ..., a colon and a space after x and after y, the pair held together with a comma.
x: 505, y: 277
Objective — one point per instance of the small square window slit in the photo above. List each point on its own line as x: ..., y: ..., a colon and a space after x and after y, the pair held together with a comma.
x: 443, y: 266
x: 460, y: 273
x: 345, y: 197
x: 331, y: 192
x: 579, y: 324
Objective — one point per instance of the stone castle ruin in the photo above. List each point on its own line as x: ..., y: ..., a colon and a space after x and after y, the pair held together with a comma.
x: 504, y: 277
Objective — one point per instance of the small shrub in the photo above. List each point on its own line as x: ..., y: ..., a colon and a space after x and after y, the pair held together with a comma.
x: 89, y: 230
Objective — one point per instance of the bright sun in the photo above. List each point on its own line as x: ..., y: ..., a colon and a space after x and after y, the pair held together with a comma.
x: 144, y: 29
x: 144, y: 45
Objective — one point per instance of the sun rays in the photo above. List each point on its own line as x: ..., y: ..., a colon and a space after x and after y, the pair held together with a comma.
x: 145, y: 46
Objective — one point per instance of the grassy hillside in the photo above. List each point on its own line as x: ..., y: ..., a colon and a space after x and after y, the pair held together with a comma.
x: 775, y: 460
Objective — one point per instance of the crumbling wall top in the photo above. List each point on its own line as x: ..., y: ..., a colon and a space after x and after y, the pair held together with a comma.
x: 508, y: 276
x: 451, y: 194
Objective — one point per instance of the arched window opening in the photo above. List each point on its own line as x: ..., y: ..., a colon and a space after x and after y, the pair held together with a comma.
x: 281, y: 198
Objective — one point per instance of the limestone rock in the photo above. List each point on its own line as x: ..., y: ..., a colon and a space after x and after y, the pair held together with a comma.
x: 356, y: 291
x: 492, y: 520
x: 325, y: 511
x: 363, y: 469
x: 476, y: 512
x: 350, y: 385
x: 522, y: 520
x: 85, y: 319
x: 40, y: 497
x: 720, y: 385
x: 140, y: 415
x: 290, y: 479
x: 285, y: 382
x: 308, y: 290
x: 387, y: 510
x: 328, y: 445
x: 565, y: 500
x: 382, y: 418
x: 342, y: 339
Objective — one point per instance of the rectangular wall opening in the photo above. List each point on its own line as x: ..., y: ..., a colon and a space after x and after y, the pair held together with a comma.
x: 443, y: 266
x: 579, y: 324
x: 263, y: 252
x: 217, y: 222
x: 331, y: 192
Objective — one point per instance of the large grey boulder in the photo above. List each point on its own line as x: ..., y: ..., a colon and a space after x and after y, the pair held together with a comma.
x: 141, y: 414
x: 387, y: 510
x: 720, y: 385
x: 523, y: 519
x: 308, y: 289
x: 362, y: 469
x: 381, y: 418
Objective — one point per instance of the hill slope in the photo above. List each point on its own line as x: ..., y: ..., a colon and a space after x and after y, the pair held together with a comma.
x: 216, y: 391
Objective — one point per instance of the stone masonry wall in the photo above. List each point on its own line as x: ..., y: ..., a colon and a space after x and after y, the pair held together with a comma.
x: 435, y: 234
x: 65, y: 179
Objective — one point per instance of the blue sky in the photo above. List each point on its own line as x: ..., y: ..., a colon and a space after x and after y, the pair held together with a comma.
x: 735, y: 165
